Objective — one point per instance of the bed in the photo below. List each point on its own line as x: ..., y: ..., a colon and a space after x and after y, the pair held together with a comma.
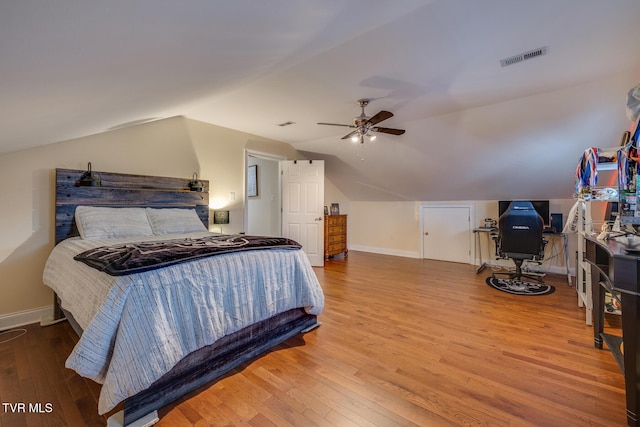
x: 208, y: 315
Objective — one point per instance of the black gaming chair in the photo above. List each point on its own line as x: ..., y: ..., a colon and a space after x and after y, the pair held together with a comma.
x: 520, y: 237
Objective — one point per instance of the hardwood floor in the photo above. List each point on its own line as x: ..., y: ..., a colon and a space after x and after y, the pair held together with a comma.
x: 402, y: 342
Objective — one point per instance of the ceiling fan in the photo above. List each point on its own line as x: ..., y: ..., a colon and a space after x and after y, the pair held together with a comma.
x: 364, y: 124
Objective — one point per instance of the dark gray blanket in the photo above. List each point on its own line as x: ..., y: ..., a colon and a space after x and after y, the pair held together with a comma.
x: 137, y: 257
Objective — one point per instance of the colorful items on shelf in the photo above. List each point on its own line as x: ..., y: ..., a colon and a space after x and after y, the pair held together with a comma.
x: 586, y: 175
x: 628, y: 180
x: 628, y: 168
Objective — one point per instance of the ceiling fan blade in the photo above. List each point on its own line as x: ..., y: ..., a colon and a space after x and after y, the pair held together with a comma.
x: 336, y: 124
x: 349, y: 135
x: 382, y: 115
x: 388, y: 130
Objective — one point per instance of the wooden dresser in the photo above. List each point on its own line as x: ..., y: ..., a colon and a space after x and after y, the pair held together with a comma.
x: 335, y: 235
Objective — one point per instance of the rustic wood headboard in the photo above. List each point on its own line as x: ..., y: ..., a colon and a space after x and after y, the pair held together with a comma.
x: 123, y: 190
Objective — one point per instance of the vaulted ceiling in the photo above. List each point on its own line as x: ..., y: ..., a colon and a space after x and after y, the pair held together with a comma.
x: 475, y: 129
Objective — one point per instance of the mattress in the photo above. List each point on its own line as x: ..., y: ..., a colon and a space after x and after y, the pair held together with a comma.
x: 137, y: 327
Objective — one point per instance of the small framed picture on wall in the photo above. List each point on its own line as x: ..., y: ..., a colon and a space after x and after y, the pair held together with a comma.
x: 335, y: 209
x: 252, y: 181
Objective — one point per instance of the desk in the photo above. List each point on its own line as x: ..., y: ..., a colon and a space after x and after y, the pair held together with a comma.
x: 491, y: 232
x: 614, y: 270
x: 565, y: 245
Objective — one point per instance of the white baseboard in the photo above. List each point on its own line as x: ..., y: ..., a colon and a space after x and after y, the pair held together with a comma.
x: 21, y: 318
x: 555, y: 269
x: 384, y: 251
x: 560, y: 270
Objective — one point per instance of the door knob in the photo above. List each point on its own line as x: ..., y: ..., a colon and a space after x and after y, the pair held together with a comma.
x: 319, y: 218
x: 426, y: 233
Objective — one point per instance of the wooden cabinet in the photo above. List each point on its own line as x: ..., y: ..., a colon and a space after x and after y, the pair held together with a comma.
x: 335, y: 235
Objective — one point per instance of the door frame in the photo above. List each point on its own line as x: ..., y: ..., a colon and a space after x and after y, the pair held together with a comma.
x: 245, y: 201
x: 461, y: 204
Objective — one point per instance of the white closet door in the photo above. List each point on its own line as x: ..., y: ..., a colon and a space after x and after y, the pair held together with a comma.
x: 447, y: 233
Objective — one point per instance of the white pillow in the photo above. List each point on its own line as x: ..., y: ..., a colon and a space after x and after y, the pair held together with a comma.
x: 174, y: 221
x: 105, y: 223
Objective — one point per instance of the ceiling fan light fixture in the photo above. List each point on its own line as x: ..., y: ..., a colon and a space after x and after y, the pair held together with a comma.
x: 364, y: 125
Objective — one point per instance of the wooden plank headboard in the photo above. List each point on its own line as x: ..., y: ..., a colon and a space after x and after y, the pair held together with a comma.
x: 123, y: 190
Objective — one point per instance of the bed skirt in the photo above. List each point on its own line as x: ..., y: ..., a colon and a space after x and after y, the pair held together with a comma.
x: 211, y: 362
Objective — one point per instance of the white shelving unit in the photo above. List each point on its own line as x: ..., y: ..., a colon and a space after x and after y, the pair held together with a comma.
x: 585, y: 228
x: 583, y: 269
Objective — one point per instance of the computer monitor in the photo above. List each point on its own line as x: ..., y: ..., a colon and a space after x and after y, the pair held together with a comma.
x: 611, y: 212
x: 541, y: 206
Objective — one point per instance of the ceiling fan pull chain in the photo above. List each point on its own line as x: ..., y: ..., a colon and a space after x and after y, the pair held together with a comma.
x: 360, y: 152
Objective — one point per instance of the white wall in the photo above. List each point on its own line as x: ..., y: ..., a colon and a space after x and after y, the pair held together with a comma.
x: 385, y: 227
x: 175, y: 147
x: 221, y: 153
x: 332, y: 194
x: 27, y: 181
x: 394, y: 228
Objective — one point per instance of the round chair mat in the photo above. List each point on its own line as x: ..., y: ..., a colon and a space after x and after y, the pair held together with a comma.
x: 519, y: 287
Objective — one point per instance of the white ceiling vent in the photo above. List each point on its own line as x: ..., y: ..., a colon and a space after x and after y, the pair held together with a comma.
x: 524, y: 56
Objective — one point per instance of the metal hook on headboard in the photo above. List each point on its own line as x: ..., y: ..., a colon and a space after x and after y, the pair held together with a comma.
x: 88, y: 179
x: 195, y: 185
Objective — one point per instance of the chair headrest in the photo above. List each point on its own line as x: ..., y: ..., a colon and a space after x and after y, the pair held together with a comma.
x: 521, y: 217
x: 520, y: 206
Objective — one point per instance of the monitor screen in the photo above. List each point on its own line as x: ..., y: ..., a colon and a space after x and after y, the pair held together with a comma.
x: 541, y: 206
x: 611, y: 212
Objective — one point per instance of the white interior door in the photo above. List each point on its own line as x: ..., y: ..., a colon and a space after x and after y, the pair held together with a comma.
x: 303, y: 206
x: 447, y: 233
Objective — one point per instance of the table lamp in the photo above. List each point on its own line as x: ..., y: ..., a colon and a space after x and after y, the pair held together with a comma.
x: 221, y: 217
